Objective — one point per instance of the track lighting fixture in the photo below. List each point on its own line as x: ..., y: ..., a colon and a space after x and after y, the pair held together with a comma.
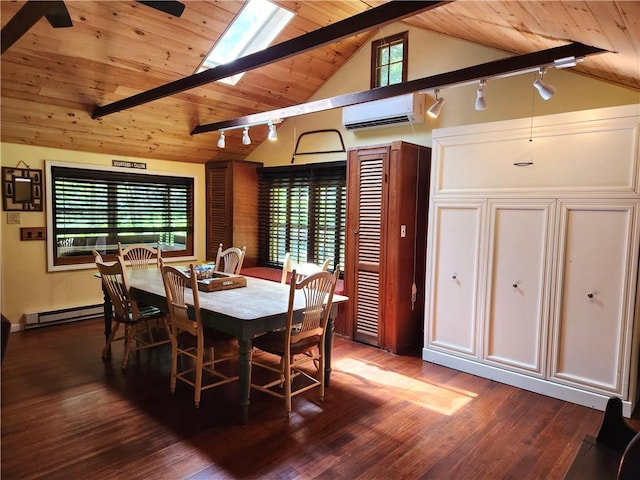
x: 246, y: 140
x: 434, y: 110
x: 545, y: 90
x: 557, y: 57
x: 481, y: 103
x: 272, y: 135
x: 245, y: 136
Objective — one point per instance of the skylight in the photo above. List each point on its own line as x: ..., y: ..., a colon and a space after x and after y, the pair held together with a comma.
x: 253, y: 29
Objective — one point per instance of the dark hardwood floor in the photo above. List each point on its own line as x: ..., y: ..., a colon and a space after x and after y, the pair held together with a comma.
x: 66, y: 414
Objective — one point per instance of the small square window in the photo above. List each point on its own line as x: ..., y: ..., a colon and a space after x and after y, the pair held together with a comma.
x: 389, y: 60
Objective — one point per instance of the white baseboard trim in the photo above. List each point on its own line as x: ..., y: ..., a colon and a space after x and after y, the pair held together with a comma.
x: 532, y: 384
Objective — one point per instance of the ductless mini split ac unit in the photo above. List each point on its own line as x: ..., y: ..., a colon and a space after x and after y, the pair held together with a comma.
x: 388, y: 112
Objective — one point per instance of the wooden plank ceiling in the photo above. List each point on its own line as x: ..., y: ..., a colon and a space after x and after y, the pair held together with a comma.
x: 53, y: 79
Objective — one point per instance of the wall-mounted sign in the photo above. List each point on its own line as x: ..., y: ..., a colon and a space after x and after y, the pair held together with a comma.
x: 126, y: 164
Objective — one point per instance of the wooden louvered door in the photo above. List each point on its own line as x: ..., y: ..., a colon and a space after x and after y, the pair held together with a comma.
x: 387, y: 190
x: 219, y: 207
x: 365, y: 224
x: 232, y: 208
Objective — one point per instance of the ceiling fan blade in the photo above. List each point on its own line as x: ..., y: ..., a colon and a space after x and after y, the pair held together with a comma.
x: 58, y: 16
x: 170, y: 7
x: 27, y: 16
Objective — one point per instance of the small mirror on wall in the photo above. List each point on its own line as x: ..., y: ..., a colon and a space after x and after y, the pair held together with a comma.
x: 22, y: 189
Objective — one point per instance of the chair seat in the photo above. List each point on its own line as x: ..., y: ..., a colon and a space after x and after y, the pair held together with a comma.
x: 212, y: 338
x: 273, y: 342
x: 148, y: 312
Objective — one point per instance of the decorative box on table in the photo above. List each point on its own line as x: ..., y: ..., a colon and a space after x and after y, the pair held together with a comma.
x: 221, y: 281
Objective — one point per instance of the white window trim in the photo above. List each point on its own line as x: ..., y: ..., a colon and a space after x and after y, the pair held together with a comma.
x: 197, y: 210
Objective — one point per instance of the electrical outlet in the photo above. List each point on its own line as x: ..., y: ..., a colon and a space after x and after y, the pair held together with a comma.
x: 13, y: 218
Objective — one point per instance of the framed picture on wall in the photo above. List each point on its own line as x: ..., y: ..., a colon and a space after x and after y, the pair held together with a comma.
x: 22, y: 189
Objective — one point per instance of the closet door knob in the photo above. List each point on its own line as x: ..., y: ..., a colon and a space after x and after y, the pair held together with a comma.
x: 515, y: 285
x: 454, y: 276
x: 590, y: 295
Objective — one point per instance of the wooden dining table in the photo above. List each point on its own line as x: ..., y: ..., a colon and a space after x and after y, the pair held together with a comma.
x: 243, y: 312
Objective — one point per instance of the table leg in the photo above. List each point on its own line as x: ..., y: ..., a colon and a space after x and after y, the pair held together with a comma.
x: 107, y: 310
x: 328, y: 345
x: 244, y: 372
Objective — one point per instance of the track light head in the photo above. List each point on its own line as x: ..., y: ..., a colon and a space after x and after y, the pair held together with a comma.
x: 481, y: 103
x: 272, y: 135
x: 221, y: 141
x: 545, y: 90
x: 434, y: 110
x: 245, y: 136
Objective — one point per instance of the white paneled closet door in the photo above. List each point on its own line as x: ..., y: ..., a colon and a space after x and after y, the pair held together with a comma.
x: 519, y: 269
x: 597, y: 269
x: 456, y: 270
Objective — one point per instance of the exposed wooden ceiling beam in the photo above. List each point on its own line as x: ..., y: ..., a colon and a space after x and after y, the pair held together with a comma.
x: 27, y: 17
x: 456, y: 77
x: 382, y: 15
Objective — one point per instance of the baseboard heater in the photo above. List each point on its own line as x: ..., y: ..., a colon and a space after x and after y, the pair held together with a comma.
x: 63, y: 316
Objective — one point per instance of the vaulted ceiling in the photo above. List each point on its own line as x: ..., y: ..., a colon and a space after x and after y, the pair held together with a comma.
x: 54, y: 78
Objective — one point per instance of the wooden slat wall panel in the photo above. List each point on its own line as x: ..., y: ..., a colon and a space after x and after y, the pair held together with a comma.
x: 245, y: 210
x: 521, y: 27
x: 117, y: 49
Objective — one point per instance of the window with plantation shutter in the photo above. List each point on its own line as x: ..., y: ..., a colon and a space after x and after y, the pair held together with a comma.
x: 303, y: 211
x: 95, y: 209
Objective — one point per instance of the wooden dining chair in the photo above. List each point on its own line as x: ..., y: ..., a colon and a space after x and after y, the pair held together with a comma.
x: 140, y: 255
x: 302, y: 269
x: 127, y: 312
x: 301, y: 343
x: 230, y: 260
x: 191, y: 339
